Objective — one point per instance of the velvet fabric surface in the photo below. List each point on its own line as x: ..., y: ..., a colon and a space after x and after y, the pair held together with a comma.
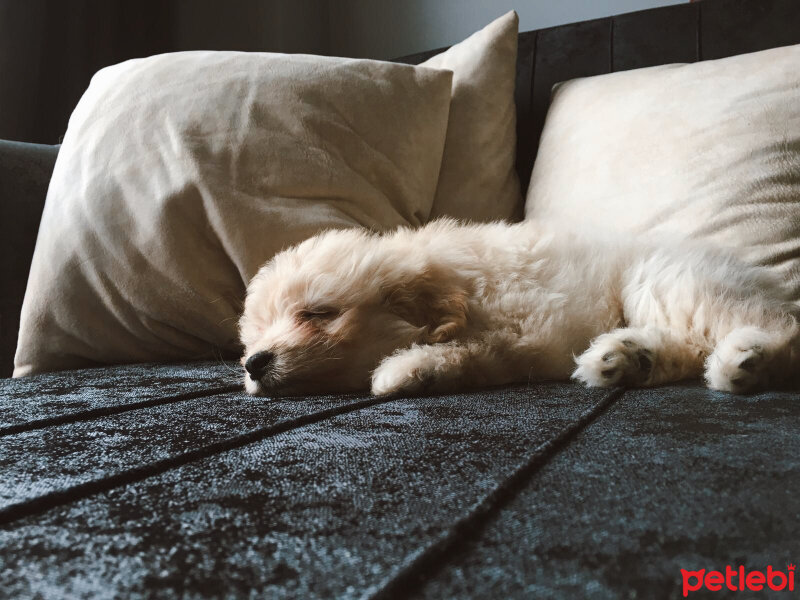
x: 25, y: 171
x: 219, y: 492
x: 168, y: 481
x: 666, y: 479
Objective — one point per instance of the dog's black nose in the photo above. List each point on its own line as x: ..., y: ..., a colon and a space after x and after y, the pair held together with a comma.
x: 258, y: 363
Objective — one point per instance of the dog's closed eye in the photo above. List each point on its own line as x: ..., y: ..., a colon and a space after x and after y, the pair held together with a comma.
x: 321, y: 313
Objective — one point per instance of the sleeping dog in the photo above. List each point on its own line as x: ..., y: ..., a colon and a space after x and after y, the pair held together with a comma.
x: 450, y: 306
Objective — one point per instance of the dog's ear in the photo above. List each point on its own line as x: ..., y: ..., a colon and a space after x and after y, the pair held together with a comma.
x: 431, y: 302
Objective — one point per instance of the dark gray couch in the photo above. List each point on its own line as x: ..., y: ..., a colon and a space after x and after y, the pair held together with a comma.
x: 167, y: 481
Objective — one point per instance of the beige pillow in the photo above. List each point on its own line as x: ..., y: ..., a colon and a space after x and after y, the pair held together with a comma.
x: 478, y: 181
x: 181, y: 174
x: 710, y: 150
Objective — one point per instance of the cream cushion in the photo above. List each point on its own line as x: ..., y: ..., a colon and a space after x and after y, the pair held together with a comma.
x: 709, y: 151
x: 180, y: 174
x: 478, y: 181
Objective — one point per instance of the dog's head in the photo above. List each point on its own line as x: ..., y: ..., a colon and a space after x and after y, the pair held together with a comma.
x: 320, y: 316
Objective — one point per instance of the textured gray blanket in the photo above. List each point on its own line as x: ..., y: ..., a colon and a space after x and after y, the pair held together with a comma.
x: 167, y: 481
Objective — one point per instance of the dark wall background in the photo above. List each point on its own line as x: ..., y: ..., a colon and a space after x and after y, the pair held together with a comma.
x: 49, y: 49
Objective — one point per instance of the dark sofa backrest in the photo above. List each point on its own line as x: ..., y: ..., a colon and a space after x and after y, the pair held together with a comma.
x: 681, y: 33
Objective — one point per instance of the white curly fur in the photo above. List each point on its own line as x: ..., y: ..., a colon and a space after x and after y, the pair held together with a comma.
x: 453, y: 306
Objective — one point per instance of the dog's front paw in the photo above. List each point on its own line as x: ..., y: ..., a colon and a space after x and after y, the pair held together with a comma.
x: 739, y: 362
x: 614, y: 359
x: 407, y: 372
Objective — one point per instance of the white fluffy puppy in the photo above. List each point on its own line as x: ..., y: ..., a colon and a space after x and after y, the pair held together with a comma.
x: 452, y: 306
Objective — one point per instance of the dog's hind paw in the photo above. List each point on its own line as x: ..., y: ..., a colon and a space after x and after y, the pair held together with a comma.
x: 614, y: 359
x: 740, y: 362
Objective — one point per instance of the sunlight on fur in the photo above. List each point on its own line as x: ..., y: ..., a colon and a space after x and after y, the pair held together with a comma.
x: 450, y: 307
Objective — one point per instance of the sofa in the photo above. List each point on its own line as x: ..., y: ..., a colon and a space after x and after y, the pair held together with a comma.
x: 167, y: 480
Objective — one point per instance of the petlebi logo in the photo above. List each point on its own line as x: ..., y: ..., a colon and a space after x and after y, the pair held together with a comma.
x: 738, y: 580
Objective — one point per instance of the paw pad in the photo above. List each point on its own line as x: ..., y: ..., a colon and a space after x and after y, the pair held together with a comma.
x: 613, y: 361
x: 749, y: 364
x: 740, y: 362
